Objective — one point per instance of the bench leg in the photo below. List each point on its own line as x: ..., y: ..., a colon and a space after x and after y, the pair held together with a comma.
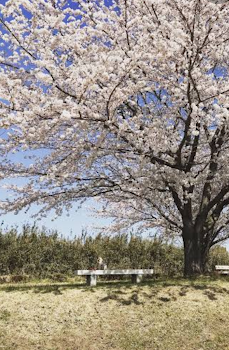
x: 137, y: 278
x: 91, y: 280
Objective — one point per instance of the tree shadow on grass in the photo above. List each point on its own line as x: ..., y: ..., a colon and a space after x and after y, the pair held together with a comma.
x: 179, y: 288
x: 58, y: 288
x: 126, y: 293
x: 41, y: 288
x: 116, y: 295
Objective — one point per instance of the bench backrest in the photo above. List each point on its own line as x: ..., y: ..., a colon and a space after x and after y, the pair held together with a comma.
x: 222, y: 267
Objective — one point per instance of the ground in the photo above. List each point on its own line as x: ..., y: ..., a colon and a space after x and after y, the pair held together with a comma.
x: 158, y: 315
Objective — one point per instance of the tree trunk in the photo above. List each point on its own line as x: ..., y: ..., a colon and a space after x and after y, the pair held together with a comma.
x: 193, y: 263
x: 195, y: 253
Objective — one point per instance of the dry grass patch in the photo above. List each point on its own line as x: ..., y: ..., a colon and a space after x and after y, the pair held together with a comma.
x: 178, y: 314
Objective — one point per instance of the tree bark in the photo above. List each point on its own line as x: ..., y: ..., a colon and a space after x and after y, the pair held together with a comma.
x: 193, y: 263
x: 195, y: 252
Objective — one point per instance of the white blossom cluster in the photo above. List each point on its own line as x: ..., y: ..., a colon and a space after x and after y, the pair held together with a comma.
x: 128, y: 103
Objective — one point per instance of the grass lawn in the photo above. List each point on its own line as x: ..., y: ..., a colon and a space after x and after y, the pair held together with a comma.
x: 164, y: 315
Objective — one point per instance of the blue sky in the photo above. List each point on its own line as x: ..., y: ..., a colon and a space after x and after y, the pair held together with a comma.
x: 68, y: 226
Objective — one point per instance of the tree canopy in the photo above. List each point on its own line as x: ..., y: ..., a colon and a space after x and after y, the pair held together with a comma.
x: 124, y: 101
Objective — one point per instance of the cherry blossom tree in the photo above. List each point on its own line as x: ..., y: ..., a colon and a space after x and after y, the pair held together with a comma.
x: 127, y: 102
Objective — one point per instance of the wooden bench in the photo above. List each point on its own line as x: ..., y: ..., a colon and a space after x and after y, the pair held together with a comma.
x: 91, y: 275
x: 222, y: 269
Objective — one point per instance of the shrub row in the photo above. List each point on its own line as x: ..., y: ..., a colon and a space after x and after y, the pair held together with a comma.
x: 41, y: 253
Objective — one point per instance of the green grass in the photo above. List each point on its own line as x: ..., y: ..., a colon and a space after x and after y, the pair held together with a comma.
x: 161, y: 314
x: 4, y: 315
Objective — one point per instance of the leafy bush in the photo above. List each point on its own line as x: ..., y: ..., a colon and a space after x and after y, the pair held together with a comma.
x: 44, y: 254
x: 218, y: 256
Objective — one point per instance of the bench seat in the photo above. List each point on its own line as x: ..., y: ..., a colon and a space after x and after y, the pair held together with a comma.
x: 222, y: 269
x: 91, y: 275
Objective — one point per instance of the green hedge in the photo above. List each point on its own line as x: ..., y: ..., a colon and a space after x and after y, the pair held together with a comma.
x: 41, y: 253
